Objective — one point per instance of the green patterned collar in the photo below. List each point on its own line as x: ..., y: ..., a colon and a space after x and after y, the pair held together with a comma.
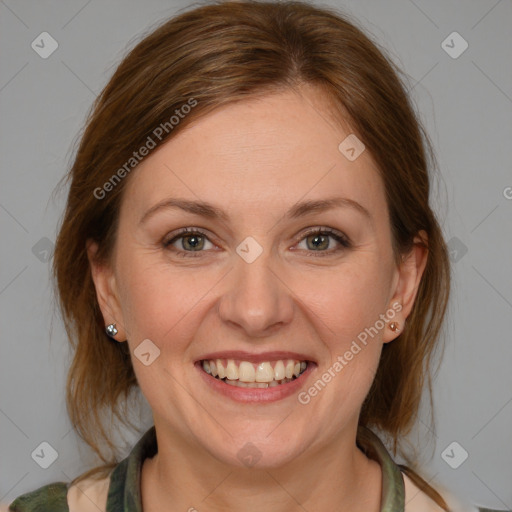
x: 124, y: 492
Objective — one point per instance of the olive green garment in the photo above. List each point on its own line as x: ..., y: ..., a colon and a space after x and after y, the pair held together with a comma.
x: 124, y: 493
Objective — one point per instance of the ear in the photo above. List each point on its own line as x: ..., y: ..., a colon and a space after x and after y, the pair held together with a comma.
x: 408, y: 279
x: 106, y: 291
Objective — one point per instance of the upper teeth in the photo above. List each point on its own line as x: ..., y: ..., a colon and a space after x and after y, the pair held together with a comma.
x: 246, y: 371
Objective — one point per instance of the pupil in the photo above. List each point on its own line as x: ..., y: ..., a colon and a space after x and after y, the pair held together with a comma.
x: 193, y: 241
x: 318, y: 239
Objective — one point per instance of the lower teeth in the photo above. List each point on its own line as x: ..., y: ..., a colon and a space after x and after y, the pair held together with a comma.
x: 241, y: 384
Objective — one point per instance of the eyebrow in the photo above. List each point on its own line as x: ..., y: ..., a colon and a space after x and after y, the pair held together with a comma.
x: 298, y: 210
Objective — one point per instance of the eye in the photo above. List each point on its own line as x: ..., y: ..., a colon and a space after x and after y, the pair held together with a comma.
x: 190, y: 242
x: 318, y: 240
x: 187, y: 242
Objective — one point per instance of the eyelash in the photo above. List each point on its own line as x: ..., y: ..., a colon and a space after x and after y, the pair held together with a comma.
x: 342, y: 239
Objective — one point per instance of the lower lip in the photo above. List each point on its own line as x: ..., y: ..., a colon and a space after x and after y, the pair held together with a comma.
x: 272, y: 394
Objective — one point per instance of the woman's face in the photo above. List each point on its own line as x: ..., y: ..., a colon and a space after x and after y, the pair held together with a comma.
x: 252, y: 283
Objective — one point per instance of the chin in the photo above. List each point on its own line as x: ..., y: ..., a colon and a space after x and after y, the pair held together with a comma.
x: 260, y: 452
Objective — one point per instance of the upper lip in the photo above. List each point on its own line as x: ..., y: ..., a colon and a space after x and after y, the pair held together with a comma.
x: 256, y: 357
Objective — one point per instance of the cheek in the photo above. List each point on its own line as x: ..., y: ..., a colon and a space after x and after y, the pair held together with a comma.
x: 163, y: 301
x: 159, y: 301
x: 346, y: 299
x: 345, y: 307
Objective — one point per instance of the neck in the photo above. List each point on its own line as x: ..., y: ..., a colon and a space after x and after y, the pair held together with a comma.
x: 335, y: 477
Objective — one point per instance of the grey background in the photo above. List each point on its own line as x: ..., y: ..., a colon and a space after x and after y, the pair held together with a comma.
x: 466, y: 104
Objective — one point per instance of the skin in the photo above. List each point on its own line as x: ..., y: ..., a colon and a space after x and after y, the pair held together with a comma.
x: 255, y: 159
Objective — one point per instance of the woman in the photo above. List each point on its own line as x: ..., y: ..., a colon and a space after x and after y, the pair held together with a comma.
x: 244, y: 242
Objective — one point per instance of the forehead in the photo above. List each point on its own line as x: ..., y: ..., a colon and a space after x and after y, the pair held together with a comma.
x: 259, y: 154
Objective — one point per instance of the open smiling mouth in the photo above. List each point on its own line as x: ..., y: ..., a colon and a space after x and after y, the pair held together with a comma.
x: 244, y: 374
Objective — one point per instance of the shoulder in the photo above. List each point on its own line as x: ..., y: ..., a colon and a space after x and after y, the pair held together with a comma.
x: 51, y: 498
x: 88, y: 495
x: 418, y: 501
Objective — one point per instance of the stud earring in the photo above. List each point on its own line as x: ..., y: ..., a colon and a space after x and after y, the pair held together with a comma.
x: 394, y: 326
x: 111, y: 330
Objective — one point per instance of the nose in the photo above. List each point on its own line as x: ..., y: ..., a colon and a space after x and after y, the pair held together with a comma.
x: 256, y: 300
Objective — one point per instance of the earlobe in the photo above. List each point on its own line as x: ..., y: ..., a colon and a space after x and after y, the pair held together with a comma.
x: 106, y: 293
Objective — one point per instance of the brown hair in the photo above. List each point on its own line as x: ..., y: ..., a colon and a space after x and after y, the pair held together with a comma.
x: 217, y: 54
